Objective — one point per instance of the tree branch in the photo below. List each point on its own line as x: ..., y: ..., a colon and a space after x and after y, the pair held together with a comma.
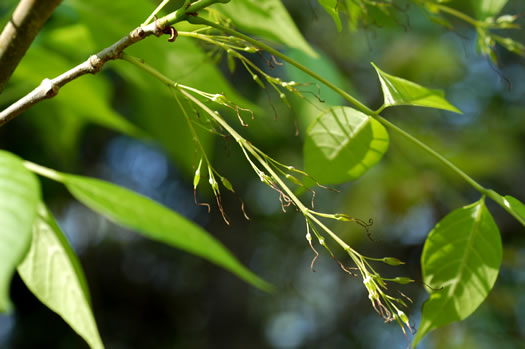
x: 49, y: 88
x: 19, y: 33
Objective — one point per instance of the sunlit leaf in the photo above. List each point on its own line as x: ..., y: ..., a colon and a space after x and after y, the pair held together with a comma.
x: 156, y: 222
x: 19, y: 196
x: 52, y: 272
x: 331, y: 7
x: 460, y: 262
x: 267, y: 18
x: 398, y: 91
x: 342, y: 143
x: 487, y: 8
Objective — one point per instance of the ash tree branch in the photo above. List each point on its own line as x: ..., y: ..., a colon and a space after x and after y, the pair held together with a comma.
x: 18, y: 34
x: 49, y: 88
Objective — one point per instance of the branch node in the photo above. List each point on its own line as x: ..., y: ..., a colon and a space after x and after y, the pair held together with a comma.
x: 137, y: 34
x: 96, y: 64
x: 49, y: 88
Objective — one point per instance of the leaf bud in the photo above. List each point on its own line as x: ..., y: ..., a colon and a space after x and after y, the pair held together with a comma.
x: 197, y: 176
x: 293, y: 179
x: 403, y: 317
x: 226, y: 183
x: 402, y: 280
x: 343, y: 217
x: 255, y: 78
x: 392, y: 261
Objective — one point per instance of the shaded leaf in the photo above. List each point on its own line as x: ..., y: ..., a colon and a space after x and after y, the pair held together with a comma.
x: 52, y: 272
x: 460, y: 261
x: 342, y: 143
x: 156, y: 222
x: 331, y: 7
x: 269, y: 19
x: 19, y: 196
x: 398, y: 91
x: 87, y: 97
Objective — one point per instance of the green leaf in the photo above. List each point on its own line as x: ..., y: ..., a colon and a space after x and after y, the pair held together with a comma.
x: 511, y: 204
x: 397, y: 91
x: 156, y: 222
x: 87, y: 97
x: 460, y: 262
x: 19, y: 197
x: 515, y: 205
x: 331, y: 7
x: 342, y: 143
x: 267, y: 18
x: 487, y: 8
x: 52, y: 272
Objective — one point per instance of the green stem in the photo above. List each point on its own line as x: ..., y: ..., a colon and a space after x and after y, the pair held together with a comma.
x: 244, y: 144
x: 503, y: 203
x: 154, y: 13
x: 360, y: 106
x: 192, y: 129
x: 457, y: 14
x: 187, y: 13
x: 150, y: 70
x: 348, y: 97
x: 44, y: 171
x: 432, y: 152
x: 490, y: 193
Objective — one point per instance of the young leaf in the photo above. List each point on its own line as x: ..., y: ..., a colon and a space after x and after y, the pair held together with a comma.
x: 156, y: 222
x: 52, y: 272
x: 269, y: 19
x: 331, y: 7
x: 342, y: 143
x: 460, y: 261
x: 19, y: 196
x: 397, y: 91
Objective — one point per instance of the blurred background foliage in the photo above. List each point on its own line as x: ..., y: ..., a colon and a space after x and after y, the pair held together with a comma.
x: 123, y: 126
